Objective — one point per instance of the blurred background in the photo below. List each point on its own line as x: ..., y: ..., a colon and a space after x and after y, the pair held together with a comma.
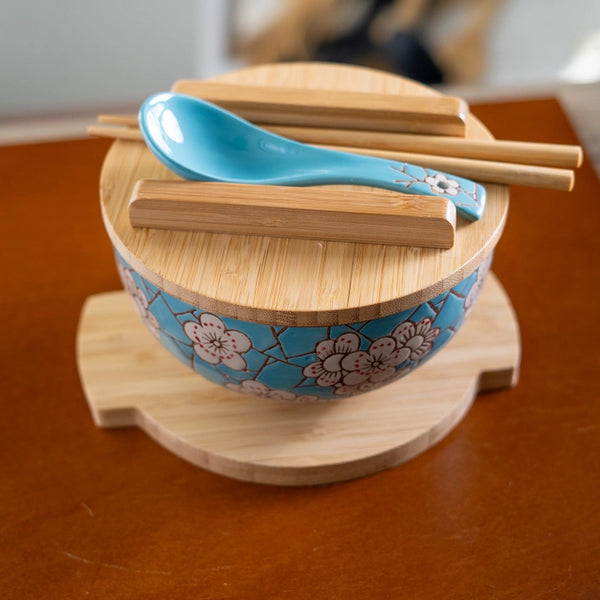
x: 72, y: 58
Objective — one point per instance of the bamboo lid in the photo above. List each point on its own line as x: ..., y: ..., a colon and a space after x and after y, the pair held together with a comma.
x: 292, y: 281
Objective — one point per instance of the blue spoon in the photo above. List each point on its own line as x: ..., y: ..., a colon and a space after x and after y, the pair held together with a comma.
x: 203, y: 142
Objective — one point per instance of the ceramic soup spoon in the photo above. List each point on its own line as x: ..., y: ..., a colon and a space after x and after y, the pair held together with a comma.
x: 201, y: 141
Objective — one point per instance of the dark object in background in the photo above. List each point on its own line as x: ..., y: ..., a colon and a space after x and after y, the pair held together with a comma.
x: 407, y: 56
x: 391, y: 35
x: 403, y: 54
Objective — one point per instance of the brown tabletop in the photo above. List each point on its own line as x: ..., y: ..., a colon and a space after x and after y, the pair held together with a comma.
x: 506, y: 506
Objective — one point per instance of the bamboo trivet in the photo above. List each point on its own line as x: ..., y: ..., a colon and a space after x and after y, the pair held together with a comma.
x: 130, y: 379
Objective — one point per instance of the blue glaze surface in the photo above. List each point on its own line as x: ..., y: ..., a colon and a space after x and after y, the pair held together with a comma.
x: 200, y: 141
x: 301, y: 364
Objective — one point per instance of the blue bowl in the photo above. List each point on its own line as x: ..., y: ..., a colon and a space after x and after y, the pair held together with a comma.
x: 302, y: 364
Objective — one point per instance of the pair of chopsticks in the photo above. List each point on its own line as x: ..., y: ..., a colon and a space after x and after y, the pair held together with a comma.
x: 547, y: 166
x: 425, y: 130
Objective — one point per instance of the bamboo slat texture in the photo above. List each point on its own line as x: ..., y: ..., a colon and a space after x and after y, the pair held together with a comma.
x: 293, y: 281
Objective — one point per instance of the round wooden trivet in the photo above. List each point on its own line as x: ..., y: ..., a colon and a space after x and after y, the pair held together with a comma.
x: 130, y: 379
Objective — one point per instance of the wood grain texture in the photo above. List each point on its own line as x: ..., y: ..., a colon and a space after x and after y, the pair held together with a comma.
x: 291, y: 281
x: 370, y: 216
x: 365, y: 109
x: 121, y: 133
x: 529, y: 153
x: 566, y: 156
x: 483, y: 170
x: 130, y: 379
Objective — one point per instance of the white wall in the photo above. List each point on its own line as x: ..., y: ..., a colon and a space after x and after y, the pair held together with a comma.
x: 533, y: 40
x: 63, y: 55
x: 88, y: 55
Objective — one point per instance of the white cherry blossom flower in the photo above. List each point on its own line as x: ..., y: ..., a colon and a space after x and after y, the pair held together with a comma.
x: 354, y: 390
x: 214, y: 343
x: 127, y: 280
x: 377, y: 364
x: 415, y: 341
x: 250, y: 387
x: 484, y: 268
x: 472, y: 296
x: 440, y: 184
x: 139, y: 301
x: 257, y: 388
x: 141, y: 305
x: 482, y: 271
x: 328, y: 371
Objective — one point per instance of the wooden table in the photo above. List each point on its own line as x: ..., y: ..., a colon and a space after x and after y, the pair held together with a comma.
x: 506, y: 506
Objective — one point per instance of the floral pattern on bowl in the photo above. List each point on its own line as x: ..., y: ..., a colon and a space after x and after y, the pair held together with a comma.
x: 301, y: 364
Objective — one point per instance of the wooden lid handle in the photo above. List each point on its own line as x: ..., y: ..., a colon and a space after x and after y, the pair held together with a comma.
x: 336, y: 213
x: 439, y: 115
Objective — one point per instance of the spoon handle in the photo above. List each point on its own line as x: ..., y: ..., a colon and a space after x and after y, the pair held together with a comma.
x: 468, y: 196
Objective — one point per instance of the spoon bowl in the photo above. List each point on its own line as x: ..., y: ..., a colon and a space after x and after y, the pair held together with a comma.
x: 200, y: 141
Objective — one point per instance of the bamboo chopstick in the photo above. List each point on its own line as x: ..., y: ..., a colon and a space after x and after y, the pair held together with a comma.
x: 441, y: 115
x: 318, y: 212
x: 532, y: 153
x: 527, y: 153
x: 480, y: 170
x: 120, y: 133
x: 126, y: 120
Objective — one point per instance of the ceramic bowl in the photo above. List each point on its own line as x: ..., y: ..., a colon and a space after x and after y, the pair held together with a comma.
x: 288, y: 319
x: 302, y: 364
